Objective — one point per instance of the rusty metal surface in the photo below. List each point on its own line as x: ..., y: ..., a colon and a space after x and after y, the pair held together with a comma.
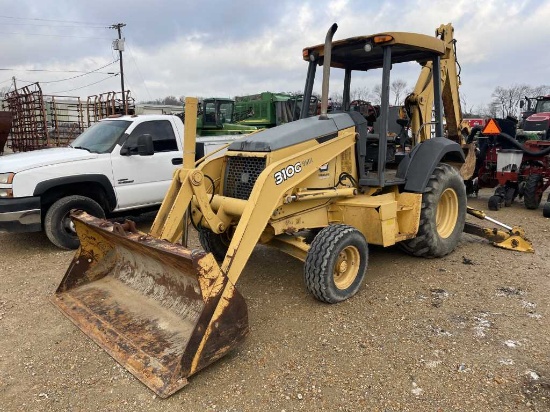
x: 29, y: 128
x: 162, y: 311
x: 6, y: 119
x: 41, y: 121
x: 108, y: 104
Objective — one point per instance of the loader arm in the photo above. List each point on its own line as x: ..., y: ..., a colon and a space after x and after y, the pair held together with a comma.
x: 264, y: 198
x: 267, y: 195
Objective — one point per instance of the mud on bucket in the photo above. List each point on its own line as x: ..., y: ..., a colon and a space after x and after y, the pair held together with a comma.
x: 160, y: 310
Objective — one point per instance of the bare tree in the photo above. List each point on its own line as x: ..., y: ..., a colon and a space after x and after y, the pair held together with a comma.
x: 489, y: 110
x: 336, y: 99
x: 398, y: 87
x: 360, y: 93
x: 466, y: 109
x: 376, y: 95
x: 506, y: 100
x: 541, y: 90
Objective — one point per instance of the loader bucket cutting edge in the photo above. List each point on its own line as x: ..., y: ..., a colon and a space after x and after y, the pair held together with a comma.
x: 160, y: 310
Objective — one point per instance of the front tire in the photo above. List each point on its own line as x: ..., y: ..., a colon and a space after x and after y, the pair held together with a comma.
x: 442, y: 216
x: 58, y: 225
x: 532, y: 194
x: 217, y: 244
x: 336, y: 263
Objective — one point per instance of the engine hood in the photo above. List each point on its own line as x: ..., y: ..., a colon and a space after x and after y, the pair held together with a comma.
x: 18, y: 162
x: 537, y: 117
x: 296, y: 132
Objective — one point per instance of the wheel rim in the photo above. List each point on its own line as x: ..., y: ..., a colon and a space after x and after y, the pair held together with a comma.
x: 447, y: 213
x: 346, y: 267
x: 68, y: 224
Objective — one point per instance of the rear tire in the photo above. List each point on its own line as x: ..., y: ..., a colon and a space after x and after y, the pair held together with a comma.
x: 531, y: 197
x: 336, y: 263
x: 58, y: 225
x: 546, y: 210
x: 214, y: 243
x: 442, y: 216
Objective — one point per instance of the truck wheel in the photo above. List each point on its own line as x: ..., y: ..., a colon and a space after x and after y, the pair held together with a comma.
x: 442, y: 216
x: 217, y: 244
x: 58, y: 225
x: 546, y: 210
x: 336, y: 263
x: 531, y: 194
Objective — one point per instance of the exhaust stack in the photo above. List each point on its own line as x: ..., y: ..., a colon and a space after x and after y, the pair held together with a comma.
x: 326, y: 71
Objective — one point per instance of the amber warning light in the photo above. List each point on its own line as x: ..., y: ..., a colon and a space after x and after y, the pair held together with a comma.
x: 491, y: 127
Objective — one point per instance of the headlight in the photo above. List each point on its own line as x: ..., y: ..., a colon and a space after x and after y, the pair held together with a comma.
x: 6, y: 177
x: 6, y: 193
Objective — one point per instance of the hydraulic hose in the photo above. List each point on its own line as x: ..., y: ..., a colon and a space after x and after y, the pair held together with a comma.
x: 512, y: 141
x: 517, y: 144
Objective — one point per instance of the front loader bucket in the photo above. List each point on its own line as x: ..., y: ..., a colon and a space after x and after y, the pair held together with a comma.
x: 162, y: 311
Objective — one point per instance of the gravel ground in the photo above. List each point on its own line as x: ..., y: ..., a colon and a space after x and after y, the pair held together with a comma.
x: 467, y: 332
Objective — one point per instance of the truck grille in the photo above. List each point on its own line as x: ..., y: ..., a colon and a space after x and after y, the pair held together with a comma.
x: 535, y: 126
x: 241, y: 175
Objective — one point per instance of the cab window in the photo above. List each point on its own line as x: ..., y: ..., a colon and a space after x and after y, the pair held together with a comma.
x: 162, y: 133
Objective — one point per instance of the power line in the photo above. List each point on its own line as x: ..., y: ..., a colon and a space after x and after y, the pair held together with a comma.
x: 53, y: 25
x: 57, y: 21
x: 50, y: 71
x: 80, y: 75
x: 82, y: 87
x: 57, y: 35
x: 139, y: 71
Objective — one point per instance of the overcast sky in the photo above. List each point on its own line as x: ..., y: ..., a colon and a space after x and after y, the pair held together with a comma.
x: 230, y: 48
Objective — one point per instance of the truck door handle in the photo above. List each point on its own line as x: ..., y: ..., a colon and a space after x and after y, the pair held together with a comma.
x: 177, y: 161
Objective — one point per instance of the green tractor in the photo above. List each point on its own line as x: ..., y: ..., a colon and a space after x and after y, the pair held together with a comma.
x: 268, y: 109
x: 216, y: 117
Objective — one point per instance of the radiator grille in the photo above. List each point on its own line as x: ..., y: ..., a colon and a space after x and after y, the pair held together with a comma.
x: 535, y: 126
x: 241, y: 175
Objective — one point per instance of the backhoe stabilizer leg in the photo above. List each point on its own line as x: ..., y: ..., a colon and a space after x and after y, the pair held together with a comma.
x: 512, y: 240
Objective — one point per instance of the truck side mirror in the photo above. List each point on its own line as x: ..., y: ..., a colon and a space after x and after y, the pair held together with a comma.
x: 145, y: 145
x: 521, y: 104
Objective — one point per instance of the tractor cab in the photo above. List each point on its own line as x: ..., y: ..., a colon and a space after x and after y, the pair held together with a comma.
x: 217, y: 118
x: 380, y: 53
x: 536, y: 119
x: 216, y: 112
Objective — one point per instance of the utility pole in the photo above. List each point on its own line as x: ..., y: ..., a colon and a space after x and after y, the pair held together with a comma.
x: 119, y: 45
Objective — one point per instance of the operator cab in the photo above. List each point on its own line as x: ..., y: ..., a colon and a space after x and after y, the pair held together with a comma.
x: 383, y: 137
x: 216, y: 112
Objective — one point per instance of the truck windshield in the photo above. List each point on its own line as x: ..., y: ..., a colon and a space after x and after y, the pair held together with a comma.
x: 102, y: 136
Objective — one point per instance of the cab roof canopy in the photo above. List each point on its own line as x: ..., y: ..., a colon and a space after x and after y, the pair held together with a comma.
x: 350, y: 53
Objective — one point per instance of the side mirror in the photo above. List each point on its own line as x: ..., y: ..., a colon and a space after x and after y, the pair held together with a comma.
x: 145, y: 145
x: 521, y: 104
x: 142, y: 146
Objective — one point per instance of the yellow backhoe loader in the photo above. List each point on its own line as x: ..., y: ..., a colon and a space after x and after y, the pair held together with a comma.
x: 320, y: 189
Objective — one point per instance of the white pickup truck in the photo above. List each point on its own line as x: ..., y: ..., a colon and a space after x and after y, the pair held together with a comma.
x: 120, y: 164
